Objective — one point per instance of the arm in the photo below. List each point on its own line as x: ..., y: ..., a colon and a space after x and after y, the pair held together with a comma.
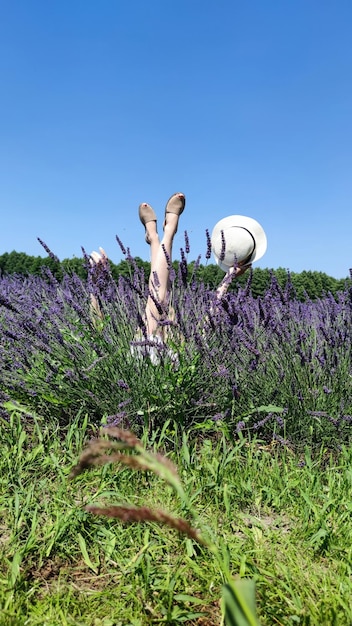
x: 99, y: 264
x: 230, y: 275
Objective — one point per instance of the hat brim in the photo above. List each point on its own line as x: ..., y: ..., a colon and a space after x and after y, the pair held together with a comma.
x: 227, y: 226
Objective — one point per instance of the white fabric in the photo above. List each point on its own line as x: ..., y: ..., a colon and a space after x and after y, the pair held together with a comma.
x: 154, y: 352
x: 245, y: 240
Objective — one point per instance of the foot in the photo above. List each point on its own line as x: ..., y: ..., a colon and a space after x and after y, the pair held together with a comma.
x: 147, y: 215
x: 175, y: 205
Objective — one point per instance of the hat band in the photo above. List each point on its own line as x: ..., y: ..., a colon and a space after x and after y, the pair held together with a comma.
x: 248, y: 258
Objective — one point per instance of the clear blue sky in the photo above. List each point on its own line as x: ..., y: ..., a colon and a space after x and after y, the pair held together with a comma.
x: 246, y: 107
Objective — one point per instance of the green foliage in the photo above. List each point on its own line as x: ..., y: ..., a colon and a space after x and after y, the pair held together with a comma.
x: 239, y: 603
x: 307, y: 283
x: 282, y: 520
x: 21, y: 263
x: 238, y: 596
x: 266, y: 513
x: 89, y: 365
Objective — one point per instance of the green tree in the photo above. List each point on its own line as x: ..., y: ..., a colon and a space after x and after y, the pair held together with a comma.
x: 311, y: 283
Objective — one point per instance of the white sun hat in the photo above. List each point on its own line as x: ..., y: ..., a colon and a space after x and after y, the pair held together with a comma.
x: 245, y: 240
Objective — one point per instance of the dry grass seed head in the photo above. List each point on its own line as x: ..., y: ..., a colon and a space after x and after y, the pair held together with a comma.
x: 130, y: 514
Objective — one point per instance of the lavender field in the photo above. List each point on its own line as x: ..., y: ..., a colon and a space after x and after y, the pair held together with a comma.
x: 271, y: 367
x: 251, y: 399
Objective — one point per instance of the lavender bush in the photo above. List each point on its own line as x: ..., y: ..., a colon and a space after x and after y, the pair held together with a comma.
x: 271, y: 366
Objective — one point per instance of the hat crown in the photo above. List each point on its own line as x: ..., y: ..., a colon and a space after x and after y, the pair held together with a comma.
x: 237, y: 239
x: 239, y: 245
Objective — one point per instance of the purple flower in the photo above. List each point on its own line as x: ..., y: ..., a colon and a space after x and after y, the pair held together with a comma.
x: 122, y: 384
x: 4, y: 302
x: 187, y: 246
x: 118, y: 419
x: 122, y: 247
x: 49, y: 252
x: 167, y: 256
x: 347, y: 418
x: 284, y: 442
x: 223, y: 247
x: 156, y: 281
x: 208, y: 252
x: 262, y: 422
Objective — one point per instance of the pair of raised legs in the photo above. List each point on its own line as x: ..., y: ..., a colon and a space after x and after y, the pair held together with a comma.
x: 160, y: 258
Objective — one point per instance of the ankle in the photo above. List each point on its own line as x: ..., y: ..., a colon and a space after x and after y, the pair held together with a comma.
x: 151, y: 234
x: 170, y: 224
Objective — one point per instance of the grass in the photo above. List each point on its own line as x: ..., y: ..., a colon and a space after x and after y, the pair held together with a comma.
x: 259, y: 426
x: 284, y: 520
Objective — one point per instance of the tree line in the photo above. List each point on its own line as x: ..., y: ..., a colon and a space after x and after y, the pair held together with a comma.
x: 307, y: 283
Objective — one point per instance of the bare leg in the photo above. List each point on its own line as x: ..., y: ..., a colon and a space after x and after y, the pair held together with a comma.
x: 161, y: 256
